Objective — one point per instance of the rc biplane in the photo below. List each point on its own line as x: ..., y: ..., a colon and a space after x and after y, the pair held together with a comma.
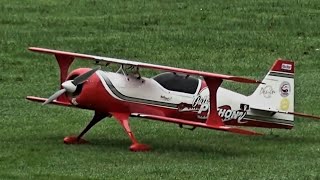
x: 182, y: 96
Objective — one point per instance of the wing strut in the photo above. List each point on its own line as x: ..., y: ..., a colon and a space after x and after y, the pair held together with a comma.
x: 213, y: 84
x: 64, y: 62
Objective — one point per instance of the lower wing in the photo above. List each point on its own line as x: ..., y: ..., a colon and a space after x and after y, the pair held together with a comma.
x: 197, y: 124
x: 163, y: 118
x: 42, y: 100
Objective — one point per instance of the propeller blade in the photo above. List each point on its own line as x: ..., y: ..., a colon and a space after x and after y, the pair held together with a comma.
x: 54, y: 96
x: 83, y: 77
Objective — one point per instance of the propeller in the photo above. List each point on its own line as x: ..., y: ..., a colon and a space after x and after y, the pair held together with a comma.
x: 71, y: 85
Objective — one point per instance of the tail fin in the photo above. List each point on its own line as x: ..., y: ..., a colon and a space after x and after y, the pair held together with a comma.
x: 277, y: 92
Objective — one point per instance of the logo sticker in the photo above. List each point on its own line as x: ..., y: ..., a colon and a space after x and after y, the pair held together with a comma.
x: 200, y: 104
x: 285, y: 89
x: 267, y: 91
x: 285, y: 66
x: 284, y: 104
x: 165, y: 98
x: 227, y: 114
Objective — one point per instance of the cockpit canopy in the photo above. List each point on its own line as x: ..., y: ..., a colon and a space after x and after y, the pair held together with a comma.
x: 177, y: 82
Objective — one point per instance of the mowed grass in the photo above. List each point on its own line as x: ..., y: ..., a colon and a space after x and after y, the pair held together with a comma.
x: 239, y: 37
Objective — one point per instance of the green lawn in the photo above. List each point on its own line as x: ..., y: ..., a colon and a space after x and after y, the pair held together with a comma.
x: 238, y: 37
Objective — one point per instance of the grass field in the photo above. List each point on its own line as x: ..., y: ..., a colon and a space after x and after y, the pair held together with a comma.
x: 239, y: 37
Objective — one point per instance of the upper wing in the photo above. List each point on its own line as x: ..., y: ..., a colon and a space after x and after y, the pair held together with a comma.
x: 145, y: 65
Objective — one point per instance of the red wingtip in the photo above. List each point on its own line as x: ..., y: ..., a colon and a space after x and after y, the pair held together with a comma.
x: 37, y: 49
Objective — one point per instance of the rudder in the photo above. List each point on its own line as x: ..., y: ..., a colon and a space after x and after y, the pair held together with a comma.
x: 277, y: 91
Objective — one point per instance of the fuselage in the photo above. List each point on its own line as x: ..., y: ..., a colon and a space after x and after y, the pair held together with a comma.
x: 182, y: 98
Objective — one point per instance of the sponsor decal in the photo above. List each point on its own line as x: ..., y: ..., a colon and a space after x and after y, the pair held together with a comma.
x: 285, y: 66
x: 285, y: 89
x: 201, y: 106
x: 284, y: 104
x: 267, y: 91
x: 227, y: 114
x: 165, y: 98
x: 244, y: 107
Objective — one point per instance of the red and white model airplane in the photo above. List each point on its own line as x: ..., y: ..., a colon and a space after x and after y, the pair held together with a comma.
x: 175, y: 96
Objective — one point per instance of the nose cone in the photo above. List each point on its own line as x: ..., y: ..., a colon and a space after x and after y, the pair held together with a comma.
x: 69, y: 86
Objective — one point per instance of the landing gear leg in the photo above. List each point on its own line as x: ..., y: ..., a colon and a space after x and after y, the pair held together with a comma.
x: 124, y: 121
x: 272, y: 134
x: 78, y: 139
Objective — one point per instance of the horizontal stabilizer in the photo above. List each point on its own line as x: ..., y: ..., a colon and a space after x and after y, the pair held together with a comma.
x: 303, y: 115
x: 198, y: 124
x: 273, y: 111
